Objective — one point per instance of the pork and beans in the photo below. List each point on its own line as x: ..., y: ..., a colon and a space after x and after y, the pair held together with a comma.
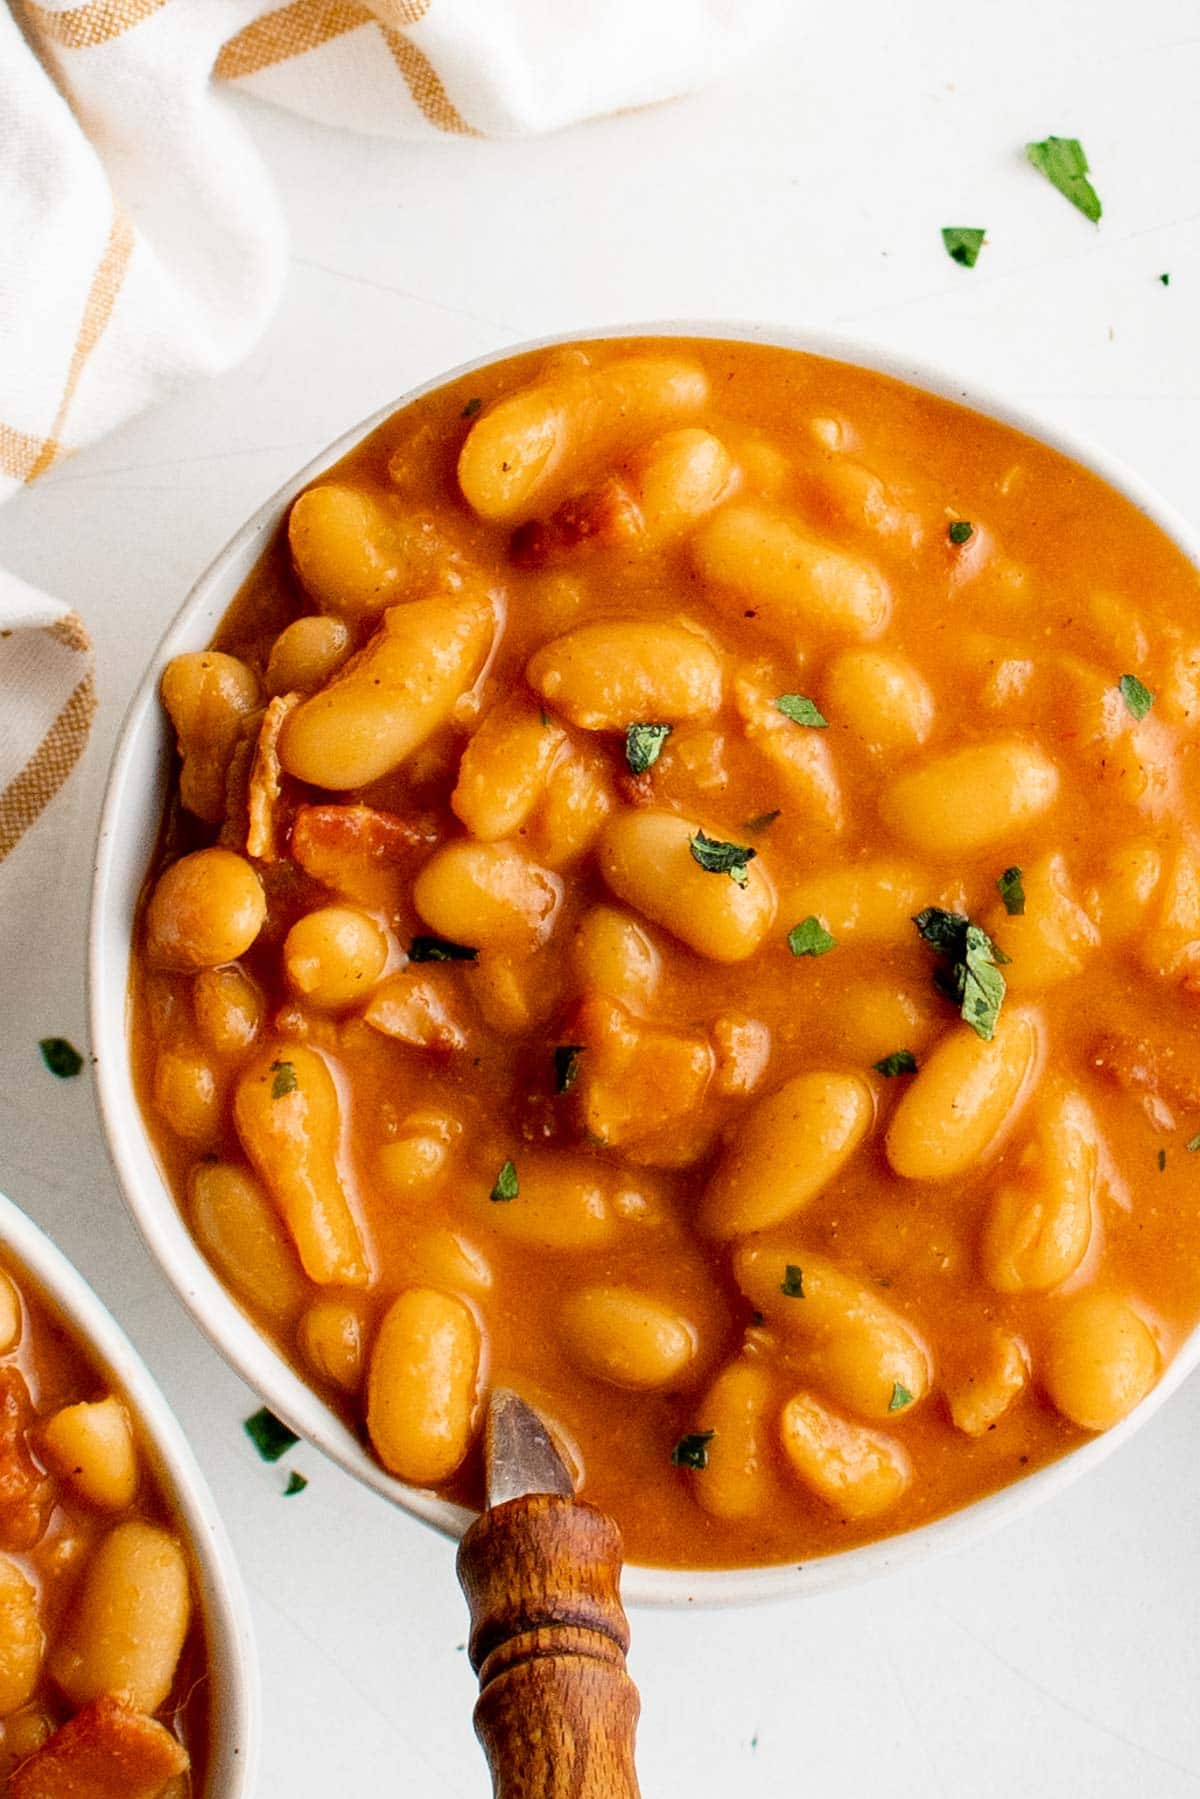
x: 103, y: 1677
x: 682, y: 896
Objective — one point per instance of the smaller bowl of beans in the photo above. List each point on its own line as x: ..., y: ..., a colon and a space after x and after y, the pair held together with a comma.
x: 127, y: 1668
x: 664, y: 872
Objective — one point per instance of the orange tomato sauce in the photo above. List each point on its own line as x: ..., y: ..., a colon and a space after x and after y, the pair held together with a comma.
x: 1013, y: 637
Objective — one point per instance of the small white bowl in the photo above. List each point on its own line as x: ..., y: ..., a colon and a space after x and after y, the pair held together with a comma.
x: 234, y: 1710
x: 128, y: 829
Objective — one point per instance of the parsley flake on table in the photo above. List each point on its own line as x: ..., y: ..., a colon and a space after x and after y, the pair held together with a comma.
x: 285, y: 1079
x: 566, y: 1066
x: 692, y: 1451
x: 643, y: 746
x: 801, y: 710
x: 960, y: 531
x: 1012, y: 891
x: 296, y: 1484
x: 901, y: 1061
x: 507, y: 1185
x: 900, y: 1398
x: 439, y: 949
x: 61, y: 1057
x: 719, y: 858
x: 1063, y: 162
x: 810, y: 938
x: 792, y: 1284
x: 973, y: 979
x: 1166, y: 280
x: 1137, y: 697
x: 963, y: 243
x: 269, y: 1435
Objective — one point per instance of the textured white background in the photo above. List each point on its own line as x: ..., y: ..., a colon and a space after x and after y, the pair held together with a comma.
x: 1063, y: 1656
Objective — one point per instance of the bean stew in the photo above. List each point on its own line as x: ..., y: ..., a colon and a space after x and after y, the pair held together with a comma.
x: 682, y: 896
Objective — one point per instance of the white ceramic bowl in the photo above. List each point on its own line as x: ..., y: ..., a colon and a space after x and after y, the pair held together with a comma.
x: 234, y: 1708
x: 129, y: 825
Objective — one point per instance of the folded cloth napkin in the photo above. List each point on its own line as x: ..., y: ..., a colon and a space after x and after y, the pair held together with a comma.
x: 141, y: 244
x: 47, y: 697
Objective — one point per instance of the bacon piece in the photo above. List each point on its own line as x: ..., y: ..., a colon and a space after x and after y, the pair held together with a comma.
x: 106, y: 1751
x: 265, y: 784
x: 25, y: 1493
x: 355, y: 849
x: 605, y: 516
x: 1142, y: 1064
x: 639, y: 1085
x: 237, y: 783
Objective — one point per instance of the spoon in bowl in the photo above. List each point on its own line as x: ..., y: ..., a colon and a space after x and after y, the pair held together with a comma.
x: 557, y: 1711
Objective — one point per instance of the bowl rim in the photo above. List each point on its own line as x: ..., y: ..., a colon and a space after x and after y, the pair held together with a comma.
x: 157, y: 1214
x: 236, y: 1710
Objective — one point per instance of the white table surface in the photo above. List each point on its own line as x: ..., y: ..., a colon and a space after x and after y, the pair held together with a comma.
x: 1062, y: 1656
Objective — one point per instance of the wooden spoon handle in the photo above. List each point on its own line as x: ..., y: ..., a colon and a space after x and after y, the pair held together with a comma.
x: 557, y: 1711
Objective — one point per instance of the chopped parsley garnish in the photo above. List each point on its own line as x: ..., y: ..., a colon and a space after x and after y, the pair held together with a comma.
x: 1162, y: 1160
x: 643, y: 746
x: 566, y: 1066
x: 973, y: 979
x: 507, y: 1185
x: 692, y: 1451
x: 963, y: 243
x: 285, y: 1079
x: 296, y: 1484
x: 439, y: 949
x: 269, y: 1435
x: 1166, y: 280
x: 1012, y: 891
x: 900, y: 1398
x: 1138, y: 698
x: 61, y: 1057
x: 901, y: 1061
x: 944, y: 930
x: 1063, y: 162
x: 960, y: 530
x: 1194, y: 1144
x: 471, y: 408
x: 718, y: 858
x: 792, y: 1284
x: 762, y: 821
x: 982, y: 985
x: 801, y: 710
x: 810, y: 938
